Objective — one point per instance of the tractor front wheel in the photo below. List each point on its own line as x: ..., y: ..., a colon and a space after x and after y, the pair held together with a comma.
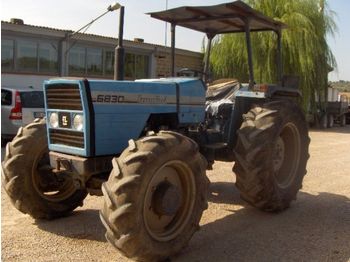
x: 155, y: 196
x: 28, y: 179
x: 271, y: 155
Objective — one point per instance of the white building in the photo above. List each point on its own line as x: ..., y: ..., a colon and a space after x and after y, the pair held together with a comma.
x: 31, y: 54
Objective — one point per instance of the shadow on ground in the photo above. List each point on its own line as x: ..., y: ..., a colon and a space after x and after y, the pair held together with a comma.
x: 82, y: 224
x: 315, y: 228
x: 335, y: 129
x: 224, y: 193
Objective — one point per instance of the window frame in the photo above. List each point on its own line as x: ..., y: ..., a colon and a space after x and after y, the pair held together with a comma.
x: 13, y: 55
x: 16, y: 68
x: 148, y: 64
x: 53, y: 44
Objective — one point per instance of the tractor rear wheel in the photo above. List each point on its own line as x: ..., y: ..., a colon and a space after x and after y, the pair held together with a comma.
x: 155, y: 196
x: 28, y: 179
x: 271, y: 155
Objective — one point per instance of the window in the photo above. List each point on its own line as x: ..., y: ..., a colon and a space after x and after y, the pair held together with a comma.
x: 6, y: 97
x: 94, y: 61
x: 37, y: 56
x: 136, y: 66
x: 77, y: 60
x: 109, y: 62
x: 141, y: 66
x: 129, y: 65
x: 27, y: 56
x: 48, y: 56
x: 32, y: 99
x: 7, y: 47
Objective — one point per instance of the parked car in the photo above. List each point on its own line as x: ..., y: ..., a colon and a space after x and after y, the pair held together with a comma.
x: 19, y: 107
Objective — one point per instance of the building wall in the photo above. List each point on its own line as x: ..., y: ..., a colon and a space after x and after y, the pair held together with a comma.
x: 143, y: 60
x: 181, y: 61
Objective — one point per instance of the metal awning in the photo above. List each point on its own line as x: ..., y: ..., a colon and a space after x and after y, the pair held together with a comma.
x: 219, y: 19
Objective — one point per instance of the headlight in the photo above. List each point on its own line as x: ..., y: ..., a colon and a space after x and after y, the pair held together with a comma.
x: 78, y: 122
x: 53, y: 120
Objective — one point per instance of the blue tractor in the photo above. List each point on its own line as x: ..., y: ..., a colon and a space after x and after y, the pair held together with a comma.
x: 145, y: 145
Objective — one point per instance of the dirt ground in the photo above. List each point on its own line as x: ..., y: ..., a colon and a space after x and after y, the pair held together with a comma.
x: 315, y: 228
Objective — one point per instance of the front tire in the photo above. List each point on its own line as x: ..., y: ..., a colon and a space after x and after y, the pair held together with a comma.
x: 155, y: 196
x: 28, y: 180
x: 271, y: 155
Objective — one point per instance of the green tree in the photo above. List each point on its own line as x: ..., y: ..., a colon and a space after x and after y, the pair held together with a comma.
x: 305, y: 49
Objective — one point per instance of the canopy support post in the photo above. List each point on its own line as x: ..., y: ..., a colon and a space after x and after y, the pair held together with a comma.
x: 173, y: 49
x: 249, y: 52
x: 207, y: 58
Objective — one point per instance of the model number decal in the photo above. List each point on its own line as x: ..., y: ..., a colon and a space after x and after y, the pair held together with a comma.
x: 113, y: 97
x: 109, y: 99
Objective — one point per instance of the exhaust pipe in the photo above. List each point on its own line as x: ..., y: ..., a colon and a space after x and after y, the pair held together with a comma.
x: 119, y: 50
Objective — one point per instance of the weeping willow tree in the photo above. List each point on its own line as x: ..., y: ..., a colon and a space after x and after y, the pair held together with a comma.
x: 305, y: 49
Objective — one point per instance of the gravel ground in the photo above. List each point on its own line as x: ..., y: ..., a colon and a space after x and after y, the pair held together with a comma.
x: 315, y: 228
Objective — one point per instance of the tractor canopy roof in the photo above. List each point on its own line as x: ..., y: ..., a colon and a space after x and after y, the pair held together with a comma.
x: 219, y: 19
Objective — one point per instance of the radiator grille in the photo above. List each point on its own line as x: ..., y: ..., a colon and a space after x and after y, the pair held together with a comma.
x: 63, y: 96
x: 67, y: 137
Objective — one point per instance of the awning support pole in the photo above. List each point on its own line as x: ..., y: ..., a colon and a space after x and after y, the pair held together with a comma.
x: 173, y: 49
x: 207, y: 58
x: 279, y: 56
x: 249, y: 51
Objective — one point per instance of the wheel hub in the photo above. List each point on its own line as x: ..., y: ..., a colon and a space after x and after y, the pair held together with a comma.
x: 47, y: 184
x: 278, y: 154
x: 166, y: 199
x: 286, y: 155
x: 169, y: 200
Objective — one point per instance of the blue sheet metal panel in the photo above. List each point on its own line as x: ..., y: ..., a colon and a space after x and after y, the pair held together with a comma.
x: 114, y: 131
x: 192, y: 101
x: 191, y: 97
x: 86, y: 151
x: 115, y: 125
x: 133, y: 87
x: 122, y: 109
x: 133, y: 109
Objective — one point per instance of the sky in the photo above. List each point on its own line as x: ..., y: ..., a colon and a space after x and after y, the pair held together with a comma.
x: 73, y: 14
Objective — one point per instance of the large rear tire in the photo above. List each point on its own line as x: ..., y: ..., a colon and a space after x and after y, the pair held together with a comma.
x: 155, y: 196
x: 28, y: 180
x: 271, y: 155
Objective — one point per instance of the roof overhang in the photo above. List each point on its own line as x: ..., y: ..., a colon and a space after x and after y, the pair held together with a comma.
x: 219, y: 19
